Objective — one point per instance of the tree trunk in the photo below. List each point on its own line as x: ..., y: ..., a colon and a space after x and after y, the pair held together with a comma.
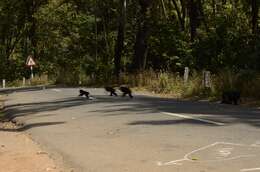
x: 193, y: 14
x: 183, y: 7
x: 181, y: 13
x: 255, y: 10
x: 164, y: 9
x: 120, y: 38
x: 202, y: 17
x: 31, y: 9
x: 141, y: 45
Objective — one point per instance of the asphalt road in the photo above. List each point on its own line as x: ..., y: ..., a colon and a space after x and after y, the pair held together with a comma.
x: 143, y: 134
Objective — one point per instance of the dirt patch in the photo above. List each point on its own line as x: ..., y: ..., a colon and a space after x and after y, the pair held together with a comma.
x: 19, y: 153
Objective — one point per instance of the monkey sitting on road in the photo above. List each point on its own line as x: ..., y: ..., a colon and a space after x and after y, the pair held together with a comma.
x: 126, y: 91
x: 231, y: 97
x: 84, y: 93
x: 111, y: 90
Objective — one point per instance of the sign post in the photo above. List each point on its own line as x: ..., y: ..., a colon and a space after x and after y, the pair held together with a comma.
x: 31, y: 72
x: 186, y: 74
x: 30, y: 63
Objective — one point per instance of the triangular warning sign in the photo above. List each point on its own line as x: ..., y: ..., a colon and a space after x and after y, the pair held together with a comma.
x: 30, y: 61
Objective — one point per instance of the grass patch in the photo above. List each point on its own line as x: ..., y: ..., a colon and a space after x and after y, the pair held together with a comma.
x: 1, y: 114
x: 165, y: 83
x: 172, y: 84
x: 37, y: 80
x: 168, y: 84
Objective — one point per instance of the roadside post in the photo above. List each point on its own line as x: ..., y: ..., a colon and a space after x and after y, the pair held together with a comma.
x: 3, y: 83
x: 30, y: 63
x: 24, y: 81
x: 186, y: 74
x: 206, y: 79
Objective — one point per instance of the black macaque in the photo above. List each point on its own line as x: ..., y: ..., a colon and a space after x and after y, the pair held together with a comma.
x: 84, y: 93
x: 231, y: 97
x: 111, y: 90
x: 126, y: 91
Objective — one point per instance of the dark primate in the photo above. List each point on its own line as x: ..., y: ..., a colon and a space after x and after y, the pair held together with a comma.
x: 126, y: 91
x: 84, y: 93
x: 111, y: 90
x: 231, y: 97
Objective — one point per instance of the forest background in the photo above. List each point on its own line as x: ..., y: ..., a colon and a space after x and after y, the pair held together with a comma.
x: 143, y: 43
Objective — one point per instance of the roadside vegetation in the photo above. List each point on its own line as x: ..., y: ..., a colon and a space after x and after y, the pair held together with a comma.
x: 141, y: 43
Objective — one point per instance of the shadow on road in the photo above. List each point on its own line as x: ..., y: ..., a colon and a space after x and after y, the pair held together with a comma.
x: 117, y: 106
x: 26, y: 109
x: 170, y: 122
x: 29, y: 126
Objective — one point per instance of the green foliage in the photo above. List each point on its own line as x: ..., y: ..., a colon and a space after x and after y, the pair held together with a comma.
x: 169, y: 49
x: 73, y: 42
x: 245, y: 81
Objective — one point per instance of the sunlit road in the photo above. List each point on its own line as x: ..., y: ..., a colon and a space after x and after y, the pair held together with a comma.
x: 143, y: 134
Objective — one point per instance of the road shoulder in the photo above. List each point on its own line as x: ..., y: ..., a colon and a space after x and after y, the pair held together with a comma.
x: 19, y: 153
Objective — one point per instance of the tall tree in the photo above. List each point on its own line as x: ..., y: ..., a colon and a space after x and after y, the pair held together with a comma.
x: 120, y: 37
x: 142, y: 34
x: 193, y: 15
x: 181, y: 12
x: 255, y: 10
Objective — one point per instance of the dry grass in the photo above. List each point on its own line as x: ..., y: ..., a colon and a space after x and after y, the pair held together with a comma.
x: 164, y: 83
x: 172, y: 85
x: 169, y: 84
x: 37, y: 80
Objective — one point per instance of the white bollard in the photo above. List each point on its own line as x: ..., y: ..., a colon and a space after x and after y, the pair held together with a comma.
x: 24, y: 81
x: 206, y: 79
x: 32, y: 76
x: 3, y: 83
x: 186, y: 74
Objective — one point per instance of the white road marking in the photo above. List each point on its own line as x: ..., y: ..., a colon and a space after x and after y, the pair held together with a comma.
x: 193, y: 118
x: 57, y: 90
x: 91, y: 98
x: 257, y: 143
x: 224, y: 152
x: 250, y: 169
x: 188, y: 155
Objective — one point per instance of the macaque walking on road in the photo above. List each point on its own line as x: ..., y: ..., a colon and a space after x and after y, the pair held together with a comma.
x: 231, y: 97
x: 111, y: 90
x: 126, y: 91
x: 84, y: 93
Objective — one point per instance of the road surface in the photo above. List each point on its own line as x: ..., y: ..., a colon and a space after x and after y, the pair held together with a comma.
x: 143, y: 134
